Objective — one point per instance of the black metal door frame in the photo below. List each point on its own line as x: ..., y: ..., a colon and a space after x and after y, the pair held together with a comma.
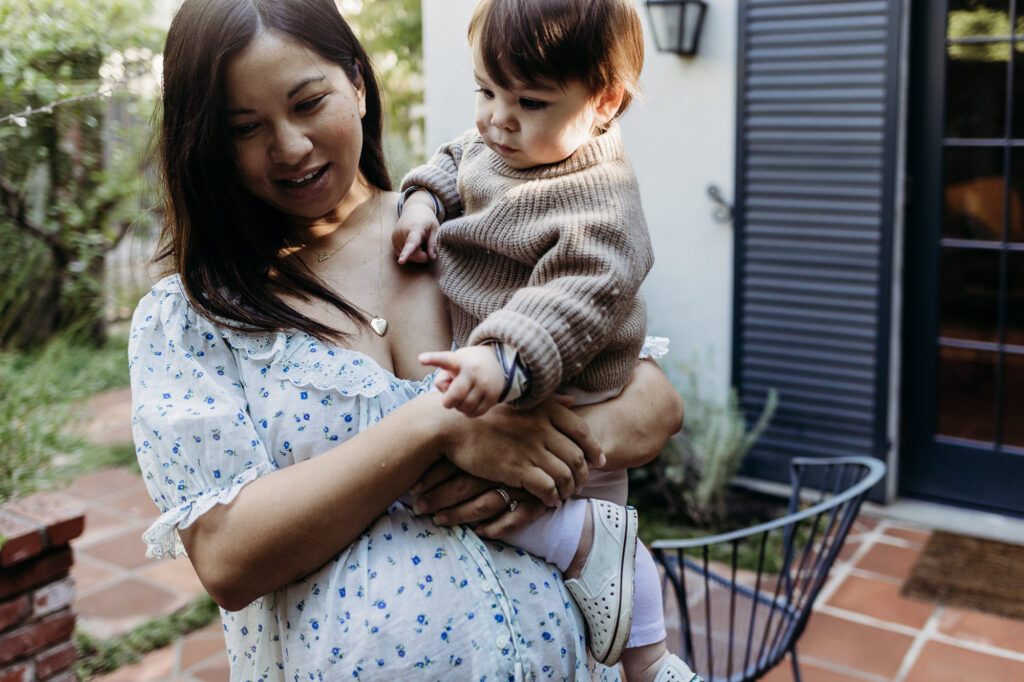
x: 933, y: 467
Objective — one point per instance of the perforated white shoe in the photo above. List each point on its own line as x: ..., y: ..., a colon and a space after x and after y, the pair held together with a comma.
x: 604, y: 590
x: 674, y: 669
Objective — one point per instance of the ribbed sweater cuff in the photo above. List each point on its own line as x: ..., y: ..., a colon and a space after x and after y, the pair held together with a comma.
x: 536, y: 347
x: 441, y: 183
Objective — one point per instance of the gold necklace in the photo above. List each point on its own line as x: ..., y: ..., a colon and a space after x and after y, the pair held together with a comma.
x: 321, y: 257
x: 378, y: 323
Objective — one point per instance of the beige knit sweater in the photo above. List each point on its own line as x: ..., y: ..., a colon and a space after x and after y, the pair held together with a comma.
x: 547, y: 259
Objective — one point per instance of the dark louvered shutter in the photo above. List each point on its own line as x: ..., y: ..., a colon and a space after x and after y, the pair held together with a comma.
x: 816, y: 157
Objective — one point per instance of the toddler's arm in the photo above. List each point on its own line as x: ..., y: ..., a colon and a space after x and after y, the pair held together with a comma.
x: 471, y: 378
x: 430, y: 194
x: 415, y: 235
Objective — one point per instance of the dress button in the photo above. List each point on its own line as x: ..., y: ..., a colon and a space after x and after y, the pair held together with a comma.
x: 501, y: 640
x: 485, y: 586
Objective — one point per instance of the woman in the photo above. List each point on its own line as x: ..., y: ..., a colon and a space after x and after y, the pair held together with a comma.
x: 261, y: 368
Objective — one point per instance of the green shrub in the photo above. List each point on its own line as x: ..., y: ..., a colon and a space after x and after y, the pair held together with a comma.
x: 691, y: 477
x: 40, y: 392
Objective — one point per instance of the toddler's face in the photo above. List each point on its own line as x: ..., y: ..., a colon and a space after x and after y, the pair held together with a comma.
x: 534, y: 124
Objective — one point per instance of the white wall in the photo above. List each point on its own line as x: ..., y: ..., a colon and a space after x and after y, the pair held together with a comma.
x: 680, y: 137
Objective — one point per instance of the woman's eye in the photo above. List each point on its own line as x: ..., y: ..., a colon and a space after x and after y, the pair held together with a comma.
x: 486, y: 93
x: 244, y: 129
x: 532, y: 104
x: 309, y: 104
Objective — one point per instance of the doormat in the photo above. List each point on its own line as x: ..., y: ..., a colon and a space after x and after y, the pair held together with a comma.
x: 973, y: 573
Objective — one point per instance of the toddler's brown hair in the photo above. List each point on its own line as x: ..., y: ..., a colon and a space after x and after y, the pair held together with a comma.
x: 598, y: 43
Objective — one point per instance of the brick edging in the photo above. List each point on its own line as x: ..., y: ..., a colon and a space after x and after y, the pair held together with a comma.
x: 36, y: 589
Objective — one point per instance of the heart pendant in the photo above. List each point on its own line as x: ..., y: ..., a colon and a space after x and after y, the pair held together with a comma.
x: 379, y: 325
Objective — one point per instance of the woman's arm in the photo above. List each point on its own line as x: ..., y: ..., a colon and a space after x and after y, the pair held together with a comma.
x: 634, y: 427
x: 270, y: 535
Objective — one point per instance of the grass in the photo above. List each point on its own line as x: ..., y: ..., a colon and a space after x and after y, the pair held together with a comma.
x: 41, y: 392
x: 102, y: 656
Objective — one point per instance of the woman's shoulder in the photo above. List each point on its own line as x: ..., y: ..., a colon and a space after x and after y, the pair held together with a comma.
x: 166, y: 305
x: 165, y: 286
x: 164, y: 302
x: 166, y: 317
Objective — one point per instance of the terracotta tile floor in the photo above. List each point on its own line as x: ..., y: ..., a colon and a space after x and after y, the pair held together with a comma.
x: 861, y: 629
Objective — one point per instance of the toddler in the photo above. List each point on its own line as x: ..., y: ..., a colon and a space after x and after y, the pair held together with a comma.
x: 542, y: 252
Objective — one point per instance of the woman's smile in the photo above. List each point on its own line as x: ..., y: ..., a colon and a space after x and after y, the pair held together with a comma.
x: 308, y: 185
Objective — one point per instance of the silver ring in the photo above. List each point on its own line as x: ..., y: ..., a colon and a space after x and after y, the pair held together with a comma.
x: 509, y: 502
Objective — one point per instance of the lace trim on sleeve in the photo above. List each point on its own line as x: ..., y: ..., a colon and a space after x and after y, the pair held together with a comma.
x: 162, y: 539
x: 654, y: 347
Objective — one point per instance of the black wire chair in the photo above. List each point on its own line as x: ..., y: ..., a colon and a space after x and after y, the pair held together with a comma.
x: 736, y: 624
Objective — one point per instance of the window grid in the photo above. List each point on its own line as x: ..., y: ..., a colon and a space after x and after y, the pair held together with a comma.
x: 1007, y: 142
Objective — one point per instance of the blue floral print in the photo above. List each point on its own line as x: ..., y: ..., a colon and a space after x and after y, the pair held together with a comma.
x: 214, y: 409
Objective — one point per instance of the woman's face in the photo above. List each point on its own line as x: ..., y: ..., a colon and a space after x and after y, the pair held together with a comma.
x: 295, y: 119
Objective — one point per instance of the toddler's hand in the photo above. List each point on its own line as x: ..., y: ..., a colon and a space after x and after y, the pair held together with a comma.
x: 415, y: 235
x: 471, y: 380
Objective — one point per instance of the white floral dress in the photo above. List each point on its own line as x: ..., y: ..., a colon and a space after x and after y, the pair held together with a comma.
x: 214, y: 409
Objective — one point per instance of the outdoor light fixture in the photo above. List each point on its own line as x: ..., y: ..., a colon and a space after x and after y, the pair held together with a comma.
x: 677, y: 24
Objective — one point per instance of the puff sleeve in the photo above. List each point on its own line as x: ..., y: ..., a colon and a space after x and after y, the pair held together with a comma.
x: 194, y: 439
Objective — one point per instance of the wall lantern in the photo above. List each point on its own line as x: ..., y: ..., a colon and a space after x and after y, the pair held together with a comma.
x: 677, y: 24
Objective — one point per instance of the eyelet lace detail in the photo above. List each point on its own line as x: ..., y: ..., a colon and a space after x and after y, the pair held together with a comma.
x: 305, y: 361
x: 297, y: 356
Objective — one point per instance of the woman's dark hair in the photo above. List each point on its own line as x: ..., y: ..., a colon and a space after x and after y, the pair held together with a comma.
x: 599, y: 43
x: 224, y: 243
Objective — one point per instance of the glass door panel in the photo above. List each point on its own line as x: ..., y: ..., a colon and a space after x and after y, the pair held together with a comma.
x: 975, y: 186
x: 1015, y: 306
x: 1013, y: 406
x: 964, y: 349
x: 966, y: 19
x: 969, y: 291
x: 967, y: 379
x: 976, y: 99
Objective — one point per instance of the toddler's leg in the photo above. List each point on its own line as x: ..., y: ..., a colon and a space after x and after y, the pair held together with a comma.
x: 646, y: 658
x: 648, y: 607
x: 562, y: 536
x: 593, y: 542
x: 555, y: 535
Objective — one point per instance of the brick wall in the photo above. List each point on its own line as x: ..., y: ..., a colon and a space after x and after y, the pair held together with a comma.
x: 36, y: 590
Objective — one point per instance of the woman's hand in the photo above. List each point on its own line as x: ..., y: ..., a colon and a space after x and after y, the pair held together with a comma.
x: 545, y: 450
x: 455, y: 497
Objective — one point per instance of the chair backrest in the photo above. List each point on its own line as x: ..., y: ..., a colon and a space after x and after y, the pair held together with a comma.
x: 744, y: 597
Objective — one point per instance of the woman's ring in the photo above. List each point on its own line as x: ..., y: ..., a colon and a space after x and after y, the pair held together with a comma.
x: 509, y: 502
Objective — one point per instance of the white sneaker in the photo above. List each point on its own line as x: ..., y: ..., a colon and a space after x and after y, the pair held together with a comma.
x: 673, y: 669
x: 604, y: 590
